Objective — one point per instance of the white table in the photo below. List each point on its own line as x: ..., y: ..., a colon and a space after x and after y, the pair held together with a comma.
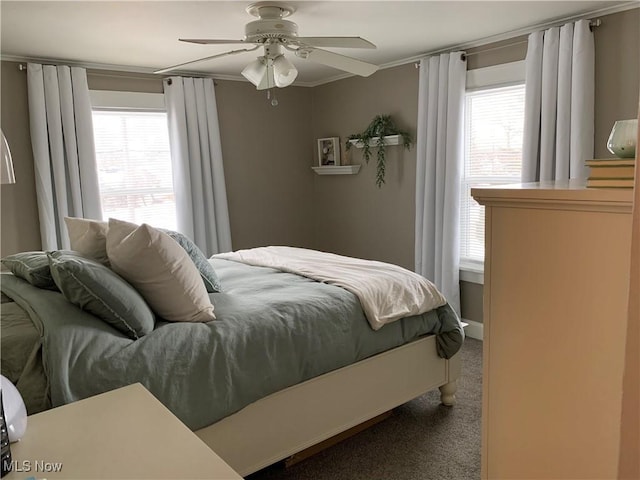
x: 122, y: 434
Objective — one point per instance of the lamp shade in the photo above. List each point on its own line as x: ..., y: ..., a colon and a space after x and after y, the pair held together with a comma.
x: 14, y: 410
x: 6, y: 165
x: 255, y: 71
x: 283, y: 71
x: 267, y: 81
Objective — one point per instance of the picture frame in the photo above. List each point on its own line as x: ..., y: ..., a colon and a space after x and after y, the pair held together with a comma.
x: 329, y: 152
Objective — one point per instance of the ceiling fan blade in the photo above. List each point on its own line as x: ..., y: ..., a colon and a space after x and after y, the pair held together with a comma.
x: 335, y: 60
x: 335, y: 42
x: 210, y: 41
x: 231, y: 52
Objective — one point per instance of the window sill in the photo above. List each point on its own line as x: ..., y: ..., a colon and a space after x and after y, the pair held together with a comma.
x: 472, y: 272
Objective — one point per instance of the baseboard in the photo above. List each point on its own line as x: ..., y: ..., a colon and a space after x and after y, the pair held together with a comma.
x: 473, y: 329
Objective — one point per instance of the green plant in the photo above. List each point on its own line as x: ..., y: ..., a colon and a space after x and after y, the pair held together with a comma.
x: 379, y: 128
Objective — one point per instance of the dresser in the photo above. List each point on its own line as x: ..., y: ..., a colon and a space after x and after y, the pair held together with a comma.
x: 555, y: 323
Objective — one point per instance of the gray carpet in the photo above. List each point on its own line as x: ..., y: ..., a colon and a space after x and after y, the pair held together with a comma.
x: 422, y: 440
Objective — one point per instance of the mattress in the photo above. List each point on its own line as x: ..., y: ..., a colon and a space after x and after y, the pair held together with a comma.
x: 273, y: 330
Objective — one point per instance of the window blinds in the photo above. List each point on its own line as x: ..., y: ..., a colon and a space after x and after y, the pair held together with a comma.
x: 494, y: 121
x: 134, y: 166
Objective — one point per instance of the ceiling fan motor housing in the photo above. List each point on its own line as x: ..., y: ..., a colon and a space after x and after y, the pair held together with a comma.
x: 259, y: 30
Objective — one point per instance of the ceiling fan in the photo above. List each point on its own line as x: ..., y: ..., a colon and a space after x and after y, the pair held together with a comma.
x: 275, y: 35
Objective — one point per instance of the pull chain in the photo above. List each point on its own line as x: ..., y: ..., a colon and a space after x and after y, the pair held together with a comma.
x: 274, y: 100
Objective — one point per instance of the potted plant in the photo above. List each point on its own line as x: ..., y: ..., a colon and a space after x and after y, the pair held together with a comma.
x: 374, y: 135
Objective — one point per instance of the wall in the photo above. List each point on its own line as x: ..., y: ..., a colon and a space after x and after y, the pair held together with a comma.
x: 268, y: 152
x: 497, y: 53
x: 353, y: 216
x: 263, y: 148
x: 356, y: 218
x: 20, y: 228
x: 617, y: 43
x: 267, y: 184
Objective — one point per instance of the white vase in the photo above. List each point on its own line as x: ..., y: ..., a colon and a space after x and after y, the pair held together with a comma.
x: 623, y: 138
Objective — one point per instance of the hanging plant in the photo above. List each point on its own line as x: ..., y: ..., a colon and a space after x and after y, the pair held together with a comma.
x: 374, y: 136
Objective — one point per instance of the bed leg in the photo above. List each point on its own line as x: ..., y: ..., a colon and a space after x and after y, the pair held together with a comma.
x: 448, y: 393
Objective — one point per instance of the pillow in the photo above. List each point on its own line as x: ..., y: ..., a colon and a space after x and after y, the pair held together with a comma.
x: 89, y: 237
x: 32, y: 267
x: 208, y: 274
x: 160, y: 270
x: 95, y: 288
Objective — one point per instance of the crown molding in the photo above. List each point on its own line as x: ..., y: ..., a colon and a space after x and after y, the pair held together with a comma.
x: 396, y: 63
x: 496, y: 38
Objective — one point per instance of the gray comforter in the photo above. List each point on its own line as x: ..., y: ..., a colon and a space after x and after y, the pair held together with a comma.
x: 273, y: 330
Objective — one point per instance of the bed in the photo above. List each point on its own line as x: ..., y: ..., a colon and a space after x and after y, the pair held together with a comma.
x: 289, y: 362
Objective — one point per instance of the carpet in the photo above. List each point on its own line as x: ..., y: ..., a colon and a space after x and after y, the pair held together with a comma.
x: 422, y: 440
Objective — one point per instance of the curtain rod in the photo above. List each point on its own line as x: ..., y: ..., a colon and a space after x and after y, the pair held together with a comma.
x: 91, y: 71
x: 23, y: 67
x: 592, y: 24
x: 500, y: 47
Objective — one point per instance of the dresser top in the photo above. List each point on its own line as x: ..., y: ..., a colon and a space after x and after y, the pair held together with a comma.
x: 572, y: 192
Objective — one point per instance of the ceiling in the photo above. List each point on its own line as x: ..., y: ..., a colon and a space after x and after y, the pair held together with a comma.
x: 142, y: 35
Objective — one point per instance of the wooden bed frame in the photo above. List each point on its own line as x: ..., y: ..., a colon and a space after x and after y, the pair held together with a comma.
x: 293, y: 419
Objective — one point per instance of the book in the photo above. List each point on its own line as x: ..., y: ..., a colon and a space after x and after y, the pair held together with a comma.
x: 605, y: 171
x: 610, y: 162
x: 610, y: 182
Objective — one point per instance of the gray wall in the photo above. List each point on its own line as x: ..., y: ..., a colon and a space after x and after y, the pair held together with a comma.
x: 353, y: 216
x: 268, y: 178
x: 264, y: 149
x: 262, y: 146
x: 617, y: 43
x: 19, y: 214
x: 274, y: 196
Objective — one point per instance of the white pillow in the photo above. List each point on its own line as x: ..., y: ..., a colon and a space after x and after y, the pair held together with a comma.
x: 88, y: 237
x: 159, y: 268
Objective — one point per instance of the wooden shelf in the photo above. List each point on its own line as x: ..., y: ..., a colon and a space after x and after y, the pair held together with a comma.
x: 388, y: 140
x: 337, y: 170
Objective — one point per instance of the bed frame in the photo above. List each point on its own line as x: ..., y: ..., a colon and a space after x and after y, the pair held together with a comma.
x: 293, y: 419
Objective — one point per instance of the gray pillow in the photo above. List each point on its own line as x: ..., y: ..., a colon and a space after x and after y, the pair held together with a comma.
x: 208, y: 274
x: 97, y: 289
x: 32, y: 267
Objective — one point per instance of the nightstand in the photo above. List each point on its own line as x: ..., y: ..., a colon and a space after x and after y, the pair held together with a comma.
x: 123, y: 434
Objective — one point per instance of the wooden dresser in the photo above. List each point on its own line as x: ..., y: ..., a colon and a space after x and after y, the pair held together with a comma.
x: 555, y: 318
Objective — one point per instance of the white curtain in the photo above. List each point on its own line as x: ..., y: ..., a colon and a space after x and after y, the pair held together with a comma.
x: 63, y: 149
x: 559, y: 103
x: 438, y: 171
x: 196, y: 154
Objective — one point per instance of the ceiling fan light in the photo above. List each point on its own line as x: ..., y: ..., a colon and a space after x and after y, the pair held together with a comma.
x: 284, y: 71
x: 267, y: 80
x: 255, y: 71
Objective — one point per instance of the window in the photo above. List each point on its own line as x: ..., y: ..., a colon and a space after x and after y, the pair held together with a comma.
x: 134, y: 165
x: 494, y: 121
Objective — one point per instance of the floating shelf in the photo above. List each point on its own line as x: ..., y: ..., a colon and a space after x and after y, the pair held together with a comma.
x: 388, y: 140
x: 337, y: 170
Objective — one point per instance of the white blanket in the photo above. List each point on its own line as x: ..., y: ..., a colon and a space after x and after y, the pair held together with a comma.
x: 386, y: 292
